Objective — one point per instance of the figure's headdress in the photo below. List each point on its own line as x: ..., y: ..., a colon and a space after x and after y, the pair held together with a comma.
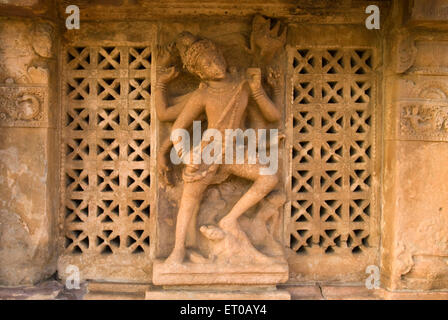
x: 191, y: 47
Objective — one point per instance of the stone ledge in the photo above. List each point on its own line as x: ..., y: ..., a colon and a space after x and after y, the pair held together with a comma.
x: 303, y: 292
x: 311, y: 11
x: 217, y: 295
x: 54, y: 290
x: 48, y: 290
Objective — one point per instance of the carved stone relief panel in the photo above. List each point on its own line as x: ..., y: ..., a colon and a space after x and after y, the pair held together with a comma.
x: 423, y: 114
x: 424, y: 120
x: 23, y: 106
x: 219, y: 224
x: 109, y: 204
x: 406, y: 51
x: 106, y: 150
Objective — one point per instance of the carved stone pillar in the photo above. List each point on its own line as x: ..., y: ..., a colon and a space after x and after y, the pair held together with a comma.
x: 28, y: 162
x: 415, y: 207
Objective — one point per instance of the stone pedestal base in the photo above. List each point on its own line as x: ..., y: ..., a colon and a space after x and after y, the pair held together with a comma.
x: 212, y: 274
x: 208, y: 281
x: 218, y: 294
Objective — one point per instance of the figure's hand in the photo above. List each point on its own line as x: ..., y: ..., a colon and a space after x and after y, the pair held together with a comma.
x: 274, y: 79
x: 166, y: 55
x: 254, y: 79
x: 166, y: 75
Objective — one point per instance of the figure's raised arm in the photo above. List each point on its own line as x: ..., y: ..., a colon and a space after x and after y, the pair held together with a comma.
x: 165, y: 56
x: 165, y: 112
x: 268, y: 109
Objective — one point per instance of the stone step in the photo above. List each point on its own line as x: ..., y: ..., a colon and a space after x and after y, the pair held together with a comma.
x: 116, y: 291
x: 114, y: 296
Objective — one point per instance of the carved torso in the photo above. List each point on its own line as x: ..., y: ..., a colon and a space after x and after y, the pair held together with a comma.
x: 225, y: 104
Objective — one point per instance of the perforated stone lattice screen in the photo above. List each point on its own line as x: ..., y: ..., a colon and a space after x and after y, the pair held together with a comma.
x: 106, y: 144
x: 333, y: 123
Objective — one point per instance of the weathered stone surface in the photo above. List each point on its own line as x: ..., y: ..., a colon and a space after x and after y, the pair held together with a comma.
x: 27, y: 201
x: 414, y: 221
x: 27, y: 246
x: 25, y: 48
x: 27, y: 107
x: 420, y: 241
x: 422, y: 109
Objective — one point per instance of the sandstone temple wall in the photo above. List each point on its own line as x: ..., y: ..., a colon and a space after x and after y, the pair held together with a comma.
x: 364, y: 115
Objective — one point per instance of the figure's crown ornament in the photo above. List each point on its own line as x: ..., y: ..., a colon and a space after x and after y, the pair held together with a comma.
x: 191, y: 47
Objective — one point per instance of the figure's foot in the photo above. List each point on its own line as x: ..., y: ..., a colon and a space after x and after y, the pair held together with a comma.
x: 232, y: 227
x: 176, y: 257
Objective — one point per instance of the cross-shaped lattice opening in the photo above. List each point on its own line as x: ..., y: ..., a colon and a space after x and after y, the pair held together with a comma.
x: 78, y: 89
x: 139, y: 58
x: 109, y: 58
x: 78, y: 58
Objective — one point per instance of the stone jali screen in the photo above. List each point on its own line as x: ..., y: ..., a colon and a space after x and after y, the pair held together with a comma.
x: 106, y: 182
x: 332, y: 151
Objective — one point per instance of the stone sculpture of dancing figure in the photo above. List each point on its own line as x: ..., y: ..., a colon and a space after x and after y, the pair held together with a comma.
x: 223, y: 96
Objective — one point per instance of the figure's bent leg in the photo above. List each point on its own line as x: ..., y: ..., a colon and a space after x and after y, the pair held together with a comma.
x: 191, y: 198
x: 190, y: 240
x: 262, y: 185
